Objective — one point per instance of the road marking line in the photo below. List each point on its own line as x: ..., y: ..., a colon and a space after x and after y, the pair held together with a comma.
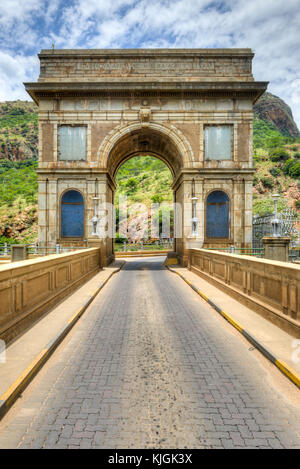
x: 288, y: 371
x: 13, y: 392
x: 284, y: 368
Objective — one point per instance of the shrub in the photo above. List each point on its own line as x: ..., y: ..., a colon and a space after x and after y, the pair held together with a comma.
x: 279, y: 154
x: 267, y: 182
x: 5, y: 163
x: 292, y: 168
x: 274, y: 171
x: 286, y: 167
x: 157, y: 199
x: 131, y: 185
x: 297, y: 155
x: 294, y: 171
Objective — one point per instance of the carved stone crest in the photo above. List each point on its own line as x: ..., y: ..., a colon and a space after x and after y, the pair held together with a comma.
x: 145, y: 116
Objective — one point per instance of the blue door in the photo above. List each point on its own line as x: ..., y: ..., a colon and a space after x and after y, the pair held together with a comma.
x: 217, y: 215
x: 72, y: 215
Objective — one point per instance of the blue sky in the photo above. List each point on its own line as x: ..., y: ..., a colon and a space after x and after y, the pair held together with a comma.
x: 270, y: 27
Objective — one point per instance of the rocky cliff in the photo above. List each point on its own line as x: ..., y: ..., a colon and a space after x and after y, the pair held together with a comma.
x: 272, y: 109
x: 18, y: 130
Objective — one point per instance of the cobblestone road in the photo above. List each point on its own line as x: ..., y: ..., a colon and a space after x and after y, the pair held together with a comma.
x: 151, y: 365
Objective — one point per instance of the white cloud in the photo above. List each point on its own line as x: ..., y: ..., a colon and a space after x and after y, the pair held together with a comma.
x: 270, y: 28
x: 13, y: 72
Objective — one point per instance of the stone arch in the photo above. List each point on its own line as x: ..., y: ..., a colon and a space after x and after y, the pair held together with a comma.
x: 165, y: 142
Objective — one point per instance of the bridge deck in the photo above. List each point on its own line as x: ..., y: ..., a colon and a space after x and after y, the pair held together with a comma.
x: 150, y: 364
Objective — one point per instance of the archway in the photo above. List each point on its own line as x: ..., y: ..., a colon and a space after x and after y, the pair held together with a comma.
x: 166, y: 142
x: 144, y: 205
x: 162, y: 142
x: 168, y: 103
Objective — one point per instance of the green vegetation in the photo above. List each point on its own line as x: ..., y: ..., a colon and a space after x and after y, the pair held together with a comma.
x: 279, y: 154
x: 265, y: 135
x: 264, y: 206
x: 18, y: 130
x: 18, y: 180
x: 276, y: 159
x: 144, y: 179
x: 292, y: 168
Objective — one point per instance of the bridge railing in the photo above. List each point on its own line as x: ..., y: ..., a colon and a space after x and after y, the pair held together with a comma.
x: 36, y: 250
x: 294, y: 252
x: 30, y: 287
x: 143, y: 246
x: 255, y: 252
x: 271, y: 288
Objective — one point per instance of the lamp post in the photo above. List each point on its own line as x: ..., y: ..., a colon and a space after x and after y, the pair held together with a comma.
x: 95, y: 218
x: 275, y: 222
x: 194, y: 219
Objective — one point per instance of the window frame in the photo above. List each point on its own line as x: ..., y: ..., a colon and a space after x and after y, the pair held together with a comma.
x: 209, y: 125
x: 59, y: 141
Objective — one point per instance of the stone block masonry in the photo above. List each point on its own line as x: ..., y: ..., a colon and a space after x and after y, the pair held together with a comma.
x: 159, y: 102
x: 30, y: 288
x: 271, y: 288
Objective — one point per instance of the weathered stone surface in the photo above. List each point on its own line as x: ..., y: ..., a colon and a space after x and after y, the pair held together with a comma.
x: 147, y: 102
x: 271, y: 288
x: 29, y: 288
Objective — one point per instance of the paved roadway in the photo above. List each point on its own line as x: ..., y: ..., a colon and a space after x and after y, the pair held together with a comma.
x: 151, y: 365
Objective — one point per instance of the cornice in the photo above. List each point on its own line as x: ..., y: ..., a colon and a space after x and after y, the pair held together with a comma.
x: 58, y: 90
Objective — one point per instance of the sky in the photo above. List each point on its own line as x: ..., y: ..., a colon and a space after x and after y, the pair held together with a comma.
x: 271, y: 28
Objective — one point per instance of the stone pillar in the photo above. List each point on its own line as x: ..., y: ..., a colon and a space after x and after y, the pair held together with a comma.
x: 276, y: 249
x: 183, y: 190
x: 248, y: 214
x: 19, y: 252
x: 105, y: 229
x: 53, y: 213
x: 193, y: 242
x: 43, y: 212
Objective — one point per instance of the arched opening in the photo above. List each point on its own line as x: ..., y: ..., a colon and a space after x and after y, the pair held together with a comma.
x: 145, y: 142
x: 134, y: 156
x: 144, y: 205
x: 217, y: 215
x: 168, y: 144
x: 72, y: 214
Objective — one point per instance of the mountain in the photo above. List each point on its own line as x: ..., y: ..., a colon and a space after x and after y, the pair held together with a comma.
x: 18, y: 130
x: 274, y: 110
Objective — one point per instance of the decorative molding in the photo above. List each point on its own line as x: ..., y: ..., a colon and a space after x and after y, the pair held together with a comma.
x: 145, y: 116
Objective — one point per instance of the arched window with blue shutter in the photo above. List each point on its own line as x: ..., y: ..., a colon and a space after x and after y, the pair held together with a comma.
x: 217, y: 215
x: 72, y: 215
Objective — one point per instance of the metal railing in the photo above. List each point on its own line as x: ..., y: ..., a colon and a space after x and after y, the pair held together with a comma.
x: 294, y: 252
x: 141, y: 246
x: 36, y: 250
x: 256, y: 252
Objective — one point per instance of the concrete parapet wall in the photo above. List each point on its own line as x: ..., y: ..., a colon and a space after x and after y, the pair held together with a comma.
x: 271, y: 288
x: 29, y: 288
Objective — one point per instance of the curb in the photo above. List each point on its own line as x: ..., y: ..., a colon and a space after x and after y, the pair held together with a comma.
x: 14, y: 391
x: 283, y: 367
